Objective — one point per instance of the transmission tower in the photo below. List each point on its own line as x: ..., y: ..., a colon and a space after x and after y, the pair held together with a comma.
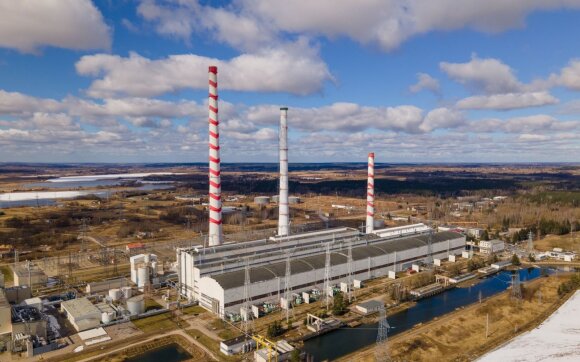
x: 530, y: 242
x: 326, y: 276
x: 83, y: 234
x: 246, y: 318
x: 381, y: 348
x: 287, y: 289
x: 516, y: 287
x: 350, y: 281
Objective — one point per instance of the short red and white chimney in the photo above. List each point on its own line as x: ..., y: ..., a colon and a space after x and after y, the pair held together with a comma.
x: 371, y: 194
x: 283, y: 209
x: 215, y: 187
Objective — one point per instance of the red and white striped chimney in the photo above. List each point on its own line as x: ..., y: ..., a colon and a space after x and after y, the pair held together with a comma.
x: 283, y: 210
x: 371, y: 194
x: 215, y: 187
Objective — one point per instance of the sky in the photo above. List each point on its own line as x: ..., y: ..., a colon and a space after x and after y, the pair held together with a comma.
x: 413, y: 81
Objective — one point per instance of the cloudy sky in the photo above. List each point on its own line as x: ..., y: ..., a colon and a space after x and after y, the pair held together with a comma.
x: 411, y: 80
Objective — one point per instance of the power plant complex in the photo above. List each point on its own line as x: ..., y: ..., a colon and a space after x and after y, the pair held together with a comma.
x: 241, y: 280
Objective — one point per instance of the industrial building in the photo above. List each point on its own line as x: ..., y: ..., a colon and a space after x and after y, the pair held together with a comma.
x: 29, y: 274
x: 223, y: 293
x: 143, y: 269
x: 5, y: 319
x: 491, y: 246
x: 223, y: 277
x: 81, y: 313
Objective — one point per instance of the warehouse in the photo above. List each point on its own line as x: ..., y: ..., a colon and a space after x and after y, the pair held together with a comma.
x: 223, y: 293
x: 82, y: 314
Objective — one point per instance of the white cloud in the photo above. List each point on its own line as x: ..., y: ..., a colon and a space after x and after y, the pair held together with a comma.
x: 28, y: 25
x: 387, y: 23
x: 527, y: 124
x: 425, y: 81
x: 527, y: 137
x: 295, y: 70
x: 569, y: 76
x: 442, y: 118
x: 507, y: 101
x: 489, y: 75
x: 17, y: 103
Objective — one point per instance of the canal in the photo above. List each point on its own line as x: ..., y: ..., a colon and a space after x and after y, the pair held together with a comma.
x: 347, y: 340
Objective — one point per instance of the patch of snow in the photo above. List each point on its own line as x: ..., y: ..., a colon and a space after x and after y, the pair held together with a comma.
x: 557, y: 339
x: 109, y: 177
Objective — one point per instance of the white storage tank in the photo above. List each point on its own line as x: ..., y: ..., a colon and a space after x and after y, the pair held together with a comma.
x: 262, y: 200
x: 115, y: 294
x: 136, y: 305
x: 107, y: 317
x: 147, y: 258
x: 154, y: 268
x: 143, y: 276
x: 127, y: 292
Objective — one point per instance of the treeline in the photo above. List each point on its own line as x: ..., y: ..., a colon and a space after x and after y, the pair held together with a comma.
x: 444, y: 186
x: 569, y: 285
x: 546, y: 227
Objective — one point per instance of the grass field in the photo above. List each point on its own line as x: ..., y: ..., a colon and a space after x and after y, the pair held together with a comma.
x: 156, y: 323
x: 567, y: 242
x: 8, y: 275
x: 461, y: 335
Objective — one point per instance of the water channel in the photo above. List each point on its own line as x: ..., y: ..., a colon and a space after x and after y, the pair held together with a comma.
x: 347, y: 340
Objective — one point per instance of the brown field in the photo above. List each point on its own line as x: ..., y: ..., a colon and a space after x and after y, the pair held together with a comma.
x: 461, y: 335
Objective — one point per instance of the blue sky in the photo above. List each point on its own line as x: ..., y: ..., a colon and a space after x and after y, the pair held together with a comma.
x: 126, y: 81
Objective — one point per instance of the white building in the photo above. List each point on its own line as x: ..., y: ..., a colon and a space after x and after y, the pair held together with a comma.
x: 402, y: 230
x: 475, y: 232
x: 81, y: 313
x: 491, y: 246
x: 218, y: 282
x: 143, y: 269
x: 240, y: 344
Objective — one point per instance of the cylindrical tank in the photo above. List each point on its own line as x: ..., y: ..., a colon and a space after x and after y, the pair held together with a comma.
x: 293, y: 200
x: 107, y: 317
x: 143, y: 276
x: 115, y: 294
x: 127, y: 292
x: 154, y: 268
x: 136, y: 305
x: 261, y: 200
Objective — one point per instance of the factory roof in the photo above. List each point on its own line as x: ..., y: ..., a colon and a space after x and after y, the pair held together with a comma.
x: 236, y: 340
x: 371, y: 304
x: 309, y: 263
x: 79, y: 307
x: 23, y: 270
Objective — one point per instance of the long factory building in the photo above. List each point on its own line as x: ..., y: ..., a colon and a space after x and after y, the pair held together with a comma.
x: 215, y: 275
x: 216, y: 279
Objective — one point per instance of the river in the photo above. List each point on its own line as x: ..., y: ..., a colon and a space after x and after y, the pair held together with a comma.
x: 347, y: 340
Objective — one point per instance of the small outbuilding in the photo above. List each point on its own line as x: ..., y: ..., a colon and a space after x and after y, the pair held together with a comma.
x: 369, y: 307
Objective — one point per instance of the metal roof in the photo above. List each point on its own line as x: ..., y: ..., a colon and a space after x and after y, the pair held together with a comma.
x: 271, y: 271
